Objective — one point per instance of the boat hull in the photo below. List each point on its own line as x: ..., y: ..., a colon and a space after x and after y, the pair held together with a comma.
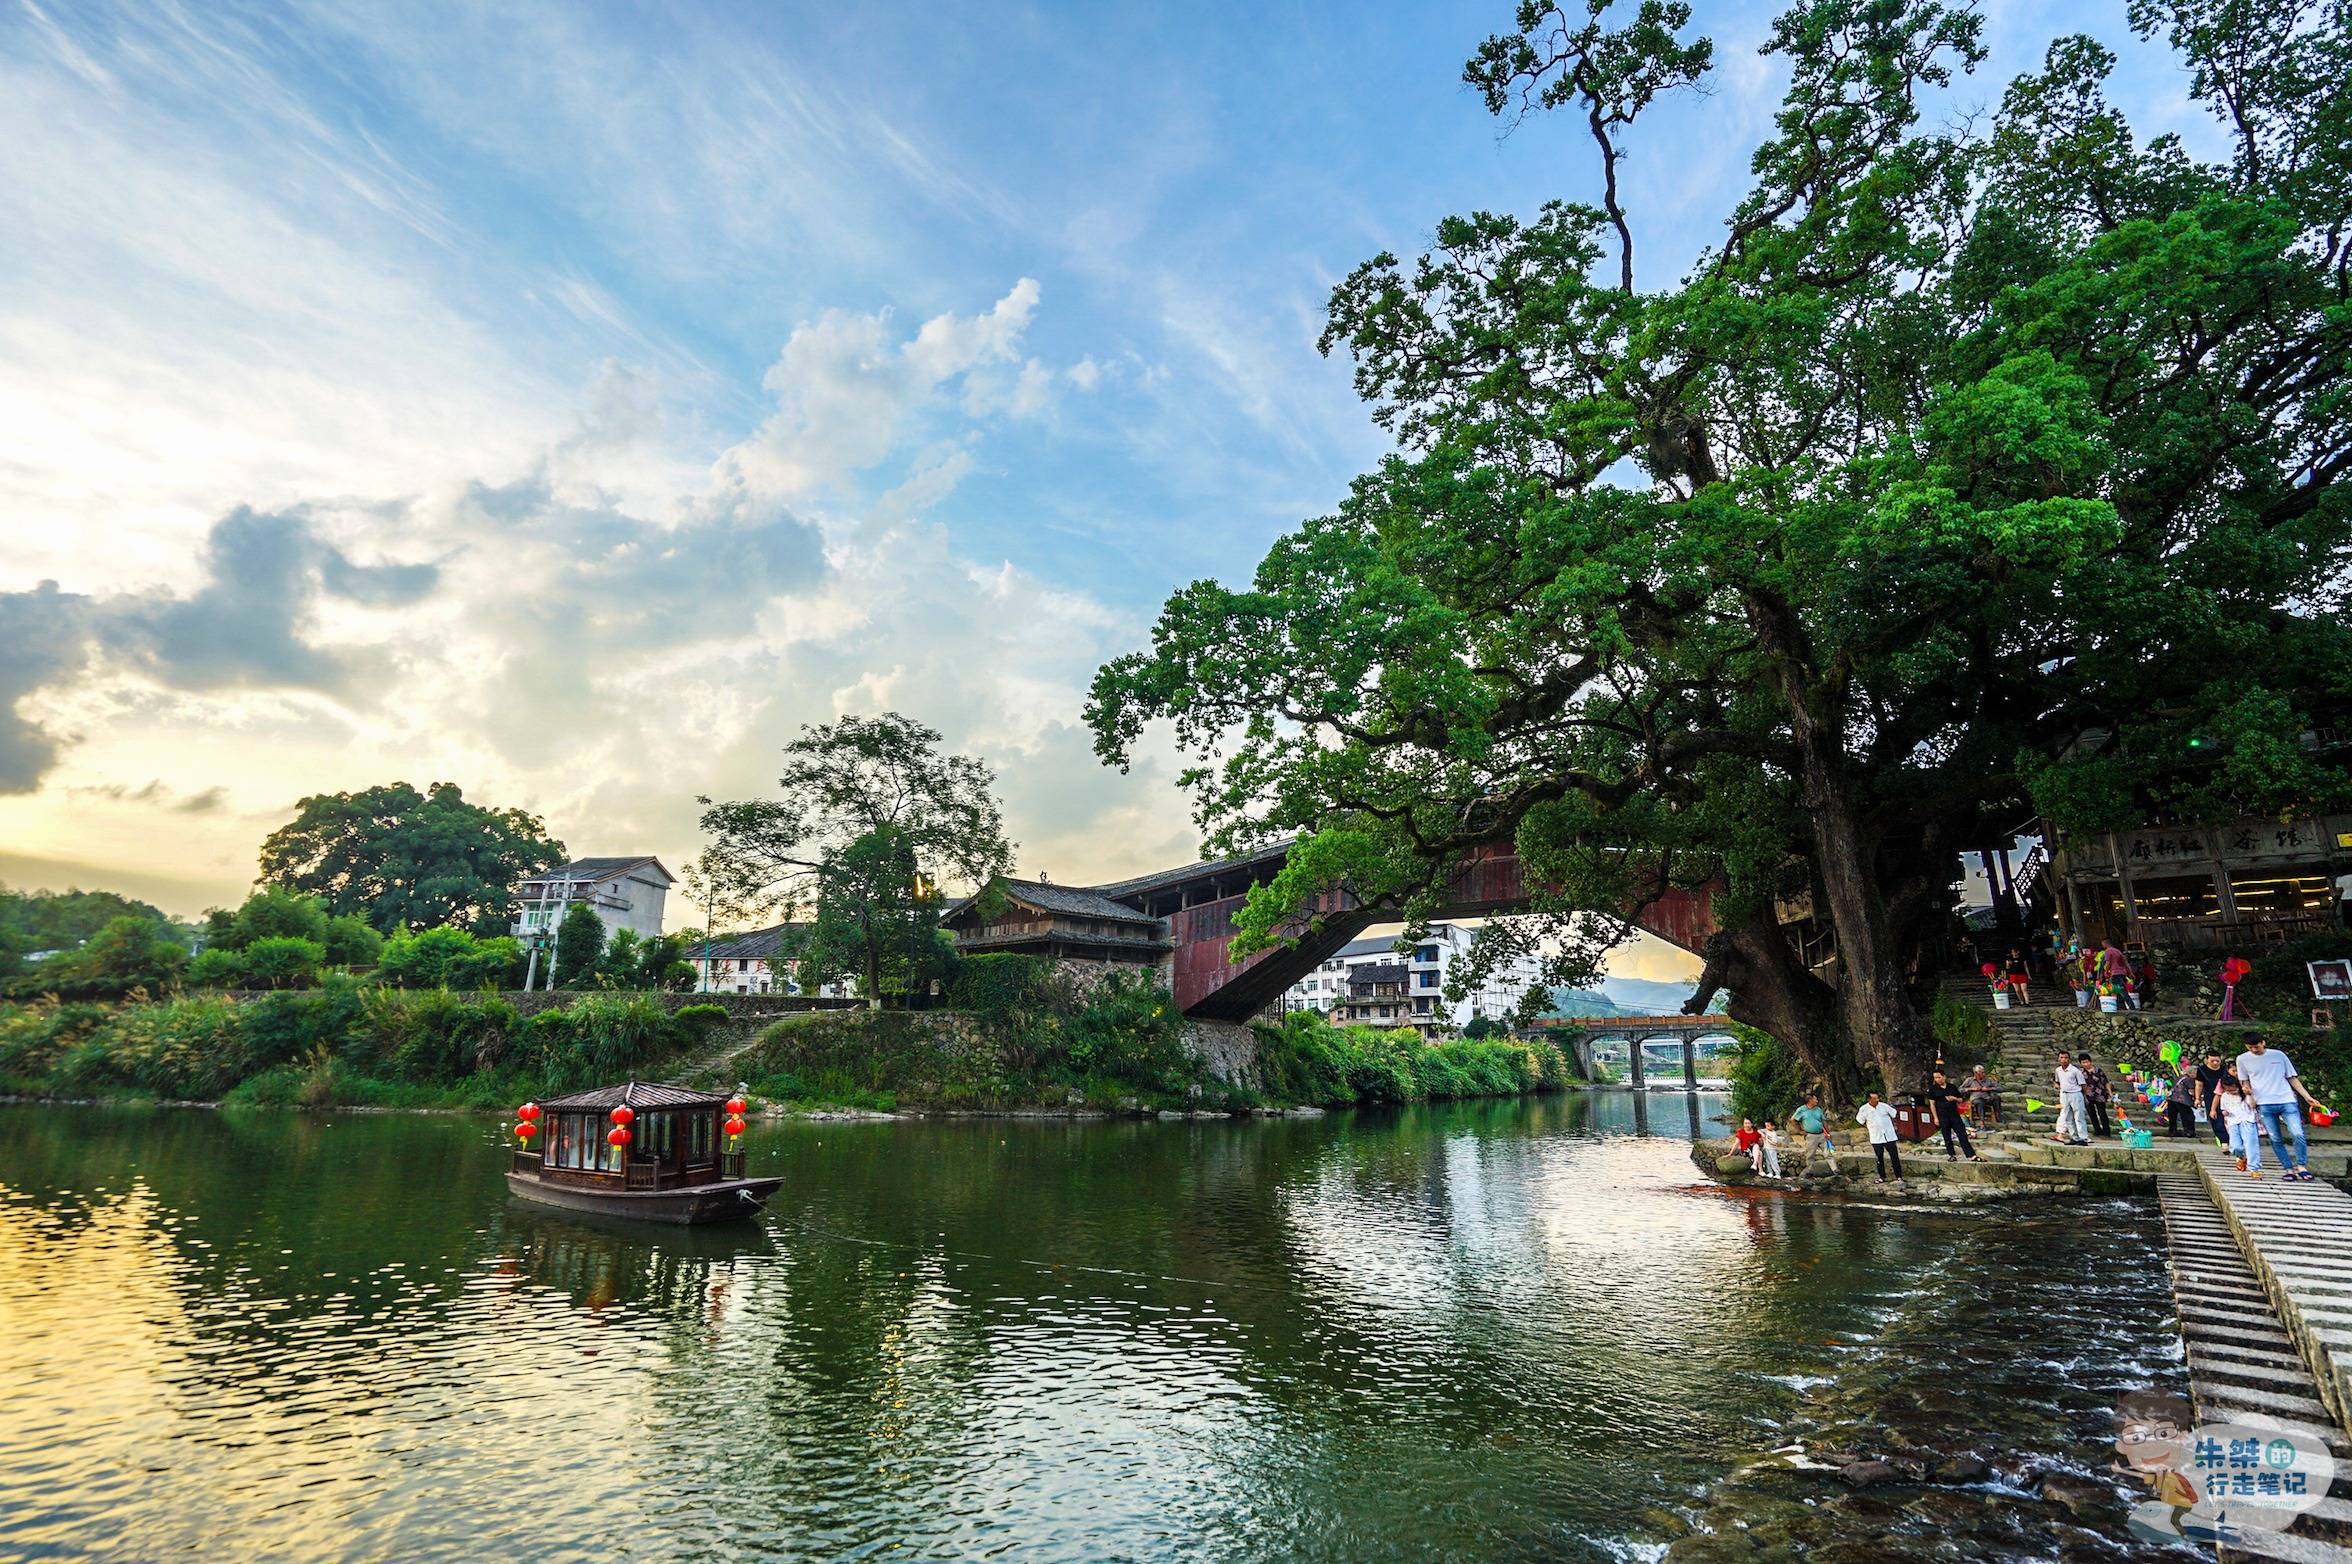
x: 731, y: 1200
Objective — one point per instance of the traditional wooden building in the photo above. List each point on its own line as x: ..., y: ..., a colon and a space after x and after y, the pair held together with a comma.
x: 1378, y: 995
x: 2198, y: 887
x: 1035, y: 918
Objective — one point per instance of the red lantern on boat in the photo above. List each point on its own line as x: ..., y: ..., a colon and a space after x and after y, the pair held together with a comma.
x: 528, y: 1111
x: 526, y: 1129
x: 618, y: 1135
x: 622, y: 1115
x: 734, y: 1126
x: 736, y: 1107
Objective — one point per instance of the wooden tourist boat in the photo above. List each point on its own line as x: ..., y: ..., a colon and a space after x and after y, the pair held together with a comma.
x: 639, y: 1150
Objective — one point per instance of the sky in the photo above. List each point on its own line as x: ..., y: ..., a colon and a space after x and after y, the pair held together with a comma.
x: 570, y: 401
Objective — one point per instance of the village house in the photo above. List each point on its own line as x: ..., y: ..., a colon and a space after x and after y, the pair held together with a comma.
x: 626, y: 893
x: 753, y: 964
x: 1379, y: 994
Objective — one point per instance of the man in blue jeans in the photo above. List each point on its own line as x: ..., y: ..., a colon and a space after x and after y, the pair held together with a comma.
x: 2278, y: 1095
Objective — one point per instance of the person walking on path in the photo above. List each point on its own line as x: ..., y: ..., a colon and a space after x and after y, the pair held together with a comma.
x: 1984, y: 1097
x: 2097, y: 1093
x: 2245, y: 1131
x: 2070, y: 1102
x: 2180, y: 1108
x: 2210, y: 1076
x: 1768, y: 1150
x: 2271, y: 1084
x: 1948, y: 1119
x: 1814, y: 1126
x: 1878, y: 1122
x: 2018, y: 977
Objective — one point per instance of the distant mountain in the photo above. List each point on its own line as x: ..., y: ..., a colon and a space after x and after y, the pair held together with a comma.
x: 1649, y: 997
x: 1584, y: 1002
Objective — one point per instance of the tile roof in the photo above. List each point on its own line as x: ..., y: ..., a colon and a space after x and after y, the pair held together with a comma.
x: 744, y: 947
x: 1191, y: 871
x: 1077, y: 901
x: 600, y: 869
x: 636, y: 1094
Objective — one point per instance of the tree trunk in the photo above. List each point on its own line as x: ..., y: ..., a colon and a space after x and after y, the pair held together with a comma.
x: 1773, y: 992
x: 1873, y: 959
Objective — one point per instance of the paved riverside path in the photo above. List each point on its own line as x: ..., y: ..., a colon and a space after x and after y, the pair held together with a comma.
x: 2245, y: 1368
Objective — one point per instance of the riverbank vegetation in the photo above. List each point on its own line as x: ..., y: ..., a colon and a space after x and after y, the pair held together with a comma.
x: 341, y: 1043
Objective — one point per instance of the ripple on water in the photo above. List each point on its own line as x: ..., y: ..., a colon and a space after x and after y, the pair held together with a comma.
x: 1475, y: 1332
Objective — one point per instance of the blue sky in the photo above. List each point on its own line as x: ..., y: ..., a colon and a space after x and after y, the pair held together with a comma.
x: 569, y: 401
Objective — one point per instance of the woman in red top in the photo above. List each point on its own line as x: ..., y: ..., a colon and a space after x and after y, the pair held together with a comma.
x: 1746, y: 1136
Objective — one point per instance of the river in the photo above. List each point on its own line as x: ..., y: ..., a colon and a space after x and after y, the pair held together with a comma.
x: 1511, y: 1330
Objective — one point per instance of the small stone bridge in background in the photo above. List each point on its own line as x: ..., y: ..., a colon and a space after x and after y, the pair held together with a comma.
x: 1198, y: 902
x: 1639, y: 1034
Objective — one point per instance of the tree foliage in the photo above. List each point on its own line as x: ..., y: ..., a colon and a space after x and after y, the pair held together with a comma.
x: 42, y: 921
x: 399, y: 858
x: 841, y: 781
x: 877, y: 920
x: 1973, y: 471
x: 579, y: 946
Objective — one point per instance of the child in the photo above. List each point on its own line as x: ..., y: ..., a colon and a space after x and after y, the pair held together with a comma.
x: 1768, y: 1148
x: 2245, y: 1128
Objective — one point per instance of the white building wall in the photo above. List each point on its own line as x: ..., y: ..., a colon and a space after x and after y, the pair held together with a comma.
x: 1428, y: 963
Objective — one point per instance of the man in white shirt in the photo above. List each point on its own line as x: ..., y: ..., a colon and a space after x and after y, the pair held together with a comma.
x: 2073, y: 1123
x: 1878, y: 1121
x: 2278, y: 1095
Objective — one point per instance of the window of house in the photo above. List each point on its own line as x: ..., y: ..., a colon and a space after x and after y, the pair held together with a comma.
x: 1428, y: 979
x: 1425, y: 953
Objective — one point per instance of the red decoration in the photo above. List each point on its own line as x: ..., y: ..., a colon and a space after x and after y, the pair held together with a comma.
x: 736, y: 1107
x: 734, y: 1126
x: 622, y: 1115
x: 1989, y: 970
x: 528, y: 1111
x: 526, y: 1129
x: 618, y: 1135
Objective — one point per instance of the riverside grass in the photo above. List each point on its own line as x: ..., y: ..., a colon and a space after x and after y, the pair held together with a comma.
x: 1026, y: 1040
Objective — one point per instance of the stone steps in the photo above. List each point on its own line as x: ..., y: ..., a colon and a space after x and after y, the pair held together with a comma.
x: 2245, y: 1367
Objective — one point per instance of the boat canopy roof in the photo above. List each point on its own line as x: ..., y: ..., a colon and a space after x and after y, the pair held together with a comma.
x: 635, y: 1094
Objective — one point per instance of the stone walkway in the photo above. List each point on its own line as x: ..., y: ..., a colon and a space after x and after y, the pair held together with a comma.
x: 2243, y: 1365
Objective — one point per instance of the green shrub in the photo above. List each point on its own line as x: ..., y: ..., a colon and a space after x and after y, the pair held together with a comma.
x: 446, y: 957
x: 430, y: 1035
x: 1002, y: 988
x: 191, y: 1047
x: 1965, y: 1031
x: 700, y: 1018
x: 1131, y: 1033
x: 35, y: 1035
x: 1767, y: 1077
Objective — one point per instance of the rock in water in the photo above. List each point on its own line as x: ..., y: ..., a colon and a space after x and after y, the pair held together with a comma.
x: 1734, y: 1165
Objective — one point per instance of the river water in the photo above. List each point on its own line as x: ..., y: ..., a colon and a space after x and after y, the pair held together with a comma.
x: 1513, y: 1330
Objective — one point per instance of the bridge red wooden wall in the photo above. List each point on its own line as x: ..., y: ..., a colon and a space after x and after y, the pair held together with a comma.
x: 1208, y: 983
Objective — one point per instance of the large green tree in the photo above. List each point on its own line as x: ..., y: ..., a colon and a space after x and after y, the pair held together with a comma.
x: 1975, y: 470
x: 876, y: 920
x: 841, y: 782
x: 400, y: 858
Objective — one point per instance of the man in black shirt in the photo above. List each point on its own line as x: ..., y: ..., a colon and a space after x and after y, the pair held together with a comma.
x: 1947, y: 1115
x: 2210, y: 1075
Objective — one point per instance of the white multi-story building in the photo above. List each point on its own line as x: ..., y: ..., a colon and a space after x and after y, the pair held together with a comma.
x: 1427, y: 963
x: 627, y: 893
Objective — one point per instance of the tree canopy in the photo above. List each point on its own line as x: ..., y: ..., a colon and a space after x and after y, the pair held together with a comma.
x: 841, y: 781
x: 400, y: 858
x: 877, y: 920
x: 1977, y: 470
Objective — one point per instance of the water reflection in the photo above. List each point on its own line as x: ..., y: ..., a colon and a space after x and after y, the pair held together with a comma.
x: 1470, y: 1330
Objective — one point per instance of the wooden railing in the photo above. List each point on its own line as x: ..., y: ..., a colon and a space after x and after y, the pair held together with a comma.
x: 526, y: 1161
x: 730, y: 1164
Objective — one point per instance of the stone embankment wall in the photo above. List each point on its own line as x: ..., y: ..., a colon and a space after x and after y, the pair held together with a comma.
x: 739, y: 1007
